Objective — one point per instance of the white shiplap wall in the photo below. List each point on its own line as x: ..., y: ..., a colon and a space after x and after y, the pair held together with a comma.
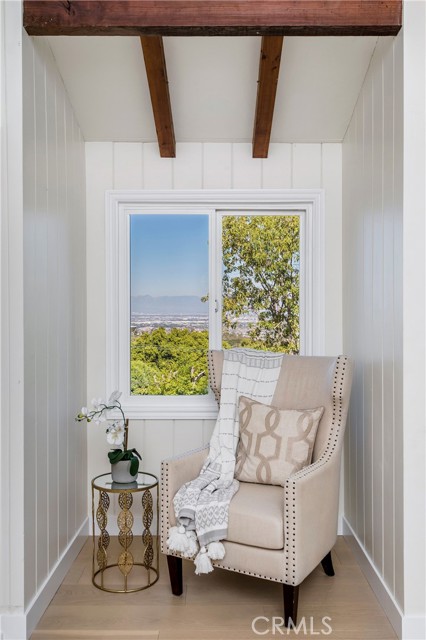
x: 11, y: 318
x: 373, y: 314
x: 54, y: 317
x: 196, y: 166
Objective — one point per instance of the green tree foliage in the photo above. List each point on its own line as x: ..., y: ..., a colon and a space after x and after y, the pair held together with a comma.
x: 261, y: 276
x: 169, y: 362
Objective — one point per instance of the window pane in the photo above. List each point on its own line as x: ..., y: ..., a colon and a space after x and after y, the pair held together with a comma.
x: 261, y: 261
x: 169, y: 308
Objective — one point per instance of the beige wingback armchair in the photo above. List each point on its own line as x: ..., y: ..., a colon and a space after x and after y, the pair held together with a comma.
x: 278, y: 533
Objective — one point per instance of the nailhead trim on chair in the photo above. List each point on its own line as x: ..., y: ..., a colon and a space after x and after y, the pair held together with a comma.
x: 165, y: 498
x: 164, y: 504
x: 247, y: 573
x: 290, y: 533
x: 291, y: 483
x: 212, y: 376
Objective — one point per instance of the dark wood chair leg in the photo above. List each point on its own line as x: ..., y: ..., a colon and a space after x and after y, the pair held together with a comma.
x: 175, y: 573
x: 291, y: 599
x: 327, y: 564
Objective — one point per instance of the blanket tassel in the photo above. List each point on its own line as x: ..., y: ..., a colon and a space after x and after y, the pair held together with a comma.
x: 192, y: 545
x: 202, y: 562
x: 216, y: 551
x: 182, y: 541
x: 177, y: 539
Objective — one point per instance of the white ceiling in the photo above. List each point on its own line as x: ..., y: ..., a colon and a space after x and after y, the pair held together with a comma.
x: 213, y: 82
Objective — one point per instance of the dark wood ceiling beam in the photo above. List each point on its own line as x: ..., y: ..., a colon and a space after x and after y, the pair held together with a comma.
x: 269, y: 69
x: 156, y: 71
x: 212, y: 17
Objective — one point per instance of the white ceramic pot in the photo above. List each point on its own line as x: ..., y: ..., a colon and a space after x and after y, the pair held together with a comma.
x: 120, y: 472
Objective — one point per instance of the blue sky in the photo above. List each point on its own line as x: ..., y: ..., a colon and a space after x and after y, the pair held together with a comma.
x: 169, y: 254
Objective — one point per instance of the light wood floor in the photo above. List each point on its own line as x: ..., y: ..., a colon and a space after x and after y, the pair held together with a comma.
x: 219, y: 606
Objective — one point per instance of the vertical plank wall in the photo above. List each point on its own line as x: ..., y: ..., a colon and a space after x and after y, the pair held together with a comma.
x: 372, y: 317
x: 196, y: 166
x: 55, y: 317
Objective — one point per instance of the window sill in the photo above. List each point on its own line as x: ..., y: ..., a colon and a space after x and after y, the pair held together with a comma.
x: 170, y: 408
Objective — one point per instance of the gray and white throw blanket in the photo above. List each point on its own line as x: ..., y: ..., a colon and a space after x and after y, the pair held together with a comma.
x: 202, y: 505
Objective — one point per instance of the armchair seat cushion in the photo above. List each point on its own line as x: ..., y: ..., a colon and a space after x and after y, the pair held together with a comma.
x: 256, y: 516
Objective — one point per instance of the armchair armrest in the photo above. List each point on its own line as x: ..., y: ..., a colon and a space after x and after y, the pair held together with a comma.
x: 311, y: 496
x: 174, y: 473
x: 311, y: 503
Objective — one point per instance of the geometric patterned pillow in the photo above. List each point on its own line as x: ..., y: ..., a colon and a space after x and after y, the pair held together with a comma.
x: 274, y: 443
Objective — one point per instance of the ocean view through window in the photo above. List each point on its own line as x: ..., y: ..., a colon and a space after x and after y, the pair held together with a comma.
x: 169, y: 276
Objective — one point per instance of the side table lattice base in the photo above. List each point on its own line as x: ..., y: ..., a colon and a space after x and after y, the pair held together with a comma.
x: 147, y: 547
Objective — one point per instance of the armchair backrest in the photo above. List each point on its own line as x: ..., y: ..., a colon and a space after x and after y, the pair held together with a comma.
x: 306, y: 382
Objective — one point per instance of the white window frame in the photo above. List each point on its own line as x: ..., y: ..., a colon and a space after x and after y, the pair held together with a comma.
x: 120, y: 204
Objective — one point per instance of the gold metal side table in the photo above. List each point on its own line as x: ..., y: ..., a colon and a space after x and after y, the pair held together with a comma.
x: 147, y: 551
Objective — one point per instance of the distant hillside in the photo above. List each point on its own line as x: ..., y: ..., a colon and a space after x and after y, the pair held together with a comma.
x: 169, y: 305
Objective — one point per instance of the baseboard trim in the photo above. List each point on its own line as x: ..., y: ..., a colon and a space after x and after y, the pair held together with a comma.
x: 406, y: 627
x: 414, y: 628
x: 20, y: 625
x: 13, y: 626
x: 46, y: 592
x: 84, y: 634
x: 384, y: 596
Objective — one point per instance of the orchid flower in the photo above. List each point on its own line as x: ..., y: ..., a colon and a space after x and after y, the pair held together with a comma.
x: 115, y: 436
x: 97, y: 403
x: 114, y: 397
x: 116, y: 432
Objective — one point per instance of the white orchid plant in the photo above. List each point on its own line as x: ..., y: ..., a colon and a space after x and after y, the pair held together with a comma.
x: 116, y: 430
